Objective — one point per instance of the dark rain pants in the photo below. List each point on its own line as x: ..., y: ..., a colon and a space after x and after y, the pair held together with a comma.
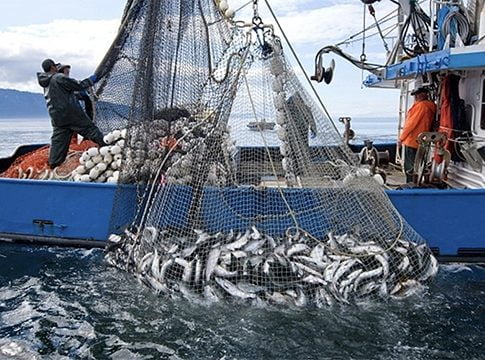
x: 409, y: 156
x: 61, y: 138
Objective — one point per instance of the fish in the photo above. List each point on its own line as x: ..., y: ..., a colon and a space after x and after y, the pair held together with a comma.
x: 188, y: 251
x: 308, y: 270
x: 297, y: 248
x: 350, y: 278
x: 239, y: 243
x: 367, y: 249
x: 212, y: 260
x: 343, y: 268
x: 233, y: 290
x: 143, y: 263
x: 256, y: 235
x: 301, y: 299
x: 310, y: 261
x: 402, y: 267
x: 431, y: 270
x: 222, y: 272
x: 314, y: 280
x: 249, y: 287
x: 198, y: 270
x: 367, y: 275
x: 385, y: 265
x: 155, y: 268
x: 317, y: 252
x: 254, y: 245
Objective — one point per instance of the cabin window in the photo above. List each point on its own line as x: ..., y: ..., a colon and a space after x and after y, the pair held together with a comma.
x: 482, y: 115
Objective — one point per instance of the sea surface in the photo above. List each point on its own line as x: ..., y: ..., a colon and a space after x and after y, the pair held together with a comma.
x: 58, y: 303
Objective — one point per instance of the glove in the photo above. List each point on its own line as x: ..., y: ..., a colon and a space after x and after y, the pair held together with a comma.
x: 93, y: 78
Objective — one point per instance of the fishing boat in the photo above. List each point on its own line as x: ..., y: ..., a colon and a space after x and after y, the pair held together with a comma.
x: 443, y: 205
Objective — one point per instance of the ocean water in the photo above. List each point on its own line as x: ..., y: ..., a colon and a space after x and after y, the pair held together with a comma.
x: 58, y: 303
x: 14, y: 132
x: 68, y: 304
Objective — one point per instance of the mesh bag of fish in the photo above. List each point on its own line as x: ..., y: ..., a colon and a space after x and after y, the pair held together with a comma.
x: 245, y: 190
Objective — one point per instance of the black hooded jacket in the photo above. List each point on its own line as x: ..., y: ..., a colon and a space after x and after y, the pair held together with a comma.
x: 62, y: 104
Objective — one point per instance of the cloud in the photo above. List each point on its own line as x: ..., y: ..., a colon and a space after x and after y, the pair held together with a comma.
x: 81, y: 43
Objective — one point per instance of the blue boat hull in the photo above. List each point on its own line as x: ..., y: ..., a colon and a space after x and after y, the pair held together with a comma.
x: 61, y: 212
x: 73, y: 213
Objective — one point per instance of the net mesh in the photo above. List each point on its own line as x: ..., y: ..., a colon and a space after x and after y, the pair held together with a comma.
x: 34, y: 165
x: 245, y: 190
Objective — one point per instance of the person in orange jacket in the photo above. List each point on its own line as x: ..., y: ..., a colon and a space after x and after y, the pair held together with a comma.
x: 419, y: 119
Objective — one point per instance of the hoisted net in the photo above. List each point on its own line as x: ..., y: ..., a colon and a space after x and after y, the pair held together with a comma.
x: 227, y: 206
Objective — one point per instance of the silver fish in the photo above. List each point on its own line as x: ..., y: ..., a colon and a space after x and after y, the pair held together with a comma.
x: 157, y: 285
x: 350, y: 278
x: 315, y: 280
x: 317, y: 252
x: 198, y: 270
x: 367, y: 249
x: 202, y: 236
x: 310, y: 261
x: 254, y: 245
x: 343, y: 268
x: 249, y: 287
x: 367, y: 275
x: 233, y: 289
x: 384, y: 264
x: 164, y: 269
x: 431, y: 270
x: 143, y: 263
x: 188, y: 251
x: 404, y: 264
x: 256, y: 235
x: 330, y: 271
x: 308, y: 270
x: 212, y: 260
x: 156, y: 265
x: 239, y: 254
x: 296, y: 249
x: 239, y: 243
x: 222, y: 272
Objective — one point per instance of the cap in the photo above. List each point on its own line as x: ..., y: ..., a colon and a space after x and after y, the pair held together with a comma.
x: 47, y: 64
x: 61, y: 67
x: 420, y: 90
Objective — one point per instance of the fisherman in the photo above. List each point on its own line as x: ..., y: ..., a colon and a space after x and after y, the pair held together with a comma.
x: 67, y: 115
x: 419, y: 119
x: 81, y: 95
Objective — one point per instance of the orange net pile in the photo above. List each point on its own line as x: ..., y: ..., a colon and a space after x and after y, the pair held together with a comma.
x: 34, y: 165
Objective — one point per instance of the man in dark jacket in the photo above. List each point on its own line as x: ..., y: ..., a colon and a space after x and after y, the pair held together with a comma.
x: 67, y: 115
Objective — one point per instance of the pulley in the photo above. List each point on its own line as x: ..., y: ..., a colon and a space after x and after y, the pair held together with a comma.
x: 322, y: 73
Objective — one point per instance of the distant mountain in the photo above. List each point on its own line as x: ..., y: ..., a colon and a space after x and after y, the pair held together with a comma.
x: 21, y: 104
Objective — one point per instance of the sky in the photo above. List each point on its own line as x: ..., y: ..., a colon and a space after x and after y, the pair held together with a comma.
x: 79, y: 32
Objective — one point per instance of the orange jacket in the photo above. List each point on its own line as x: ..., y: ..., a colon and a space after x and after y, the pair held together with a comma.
x: 420, y: 118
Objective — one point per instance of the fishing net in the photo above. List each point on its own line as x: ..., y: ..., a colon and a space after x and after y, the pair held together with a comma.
x: 34, y: 165
x: 245, y: 190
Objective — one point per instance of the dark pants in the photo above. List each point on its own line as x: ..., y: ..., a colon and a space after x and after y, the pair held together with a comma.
x: 409, y: 156
x: 61, y: 138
